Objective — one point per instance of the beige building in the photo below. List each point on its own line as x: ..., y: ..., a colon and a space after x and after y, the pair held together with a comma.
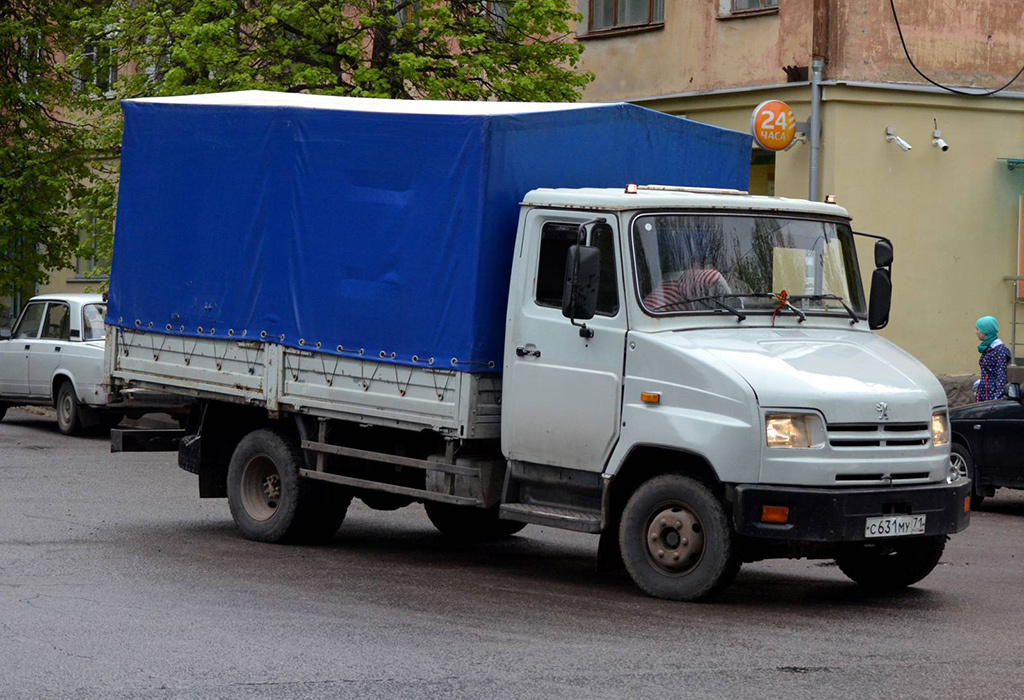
x: 953, y: 215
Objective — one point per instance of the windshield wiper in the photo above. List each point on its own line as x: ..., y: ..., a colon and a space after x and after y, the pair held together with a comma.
x: 854, y: 319
x: 715, y: 300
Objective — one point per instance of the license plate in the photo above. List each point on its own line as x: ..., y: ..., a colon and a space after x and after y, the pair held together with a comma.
x: 894, y: 526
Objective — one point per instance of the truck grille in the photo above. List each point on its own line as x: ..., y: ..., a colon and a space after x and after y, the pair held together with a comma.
x: 860, y: 435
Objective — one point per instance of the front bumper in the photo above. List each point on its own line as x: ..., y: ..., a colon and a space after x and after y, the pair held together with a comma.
x: 838, y: 515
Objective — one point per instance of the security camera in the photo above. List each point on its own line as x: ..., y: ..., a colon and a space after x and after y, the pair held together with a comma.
x: 891, y: 136
x: 938, y: 141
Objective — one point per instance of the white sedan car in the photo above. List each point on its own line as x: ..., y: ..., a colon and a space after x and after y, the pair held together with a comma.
x: 55, y: 358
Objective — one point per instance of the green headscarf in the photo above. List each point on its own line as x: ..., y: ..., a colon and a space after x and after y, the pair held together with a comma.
x: 990, y: 327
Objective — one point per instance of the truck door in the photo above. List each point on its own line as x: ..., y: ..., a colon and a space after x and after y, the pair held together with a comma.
x: 14, y: 353
x: 562, y: 393
x: 46, y: 351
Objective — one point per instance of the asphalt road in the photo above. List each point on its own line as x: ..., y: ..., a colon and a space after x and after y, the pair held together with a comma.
x: 117, y: 581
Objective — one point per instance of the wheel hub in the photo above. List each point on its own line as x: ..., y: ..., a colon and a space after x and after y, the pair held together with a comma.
x: 260, y: 488
x: 959, y: 463
x: 675, y: 539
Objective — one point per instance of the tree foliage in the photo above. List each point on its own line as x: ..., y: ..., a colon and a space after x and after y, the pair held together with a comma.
x: 44, y: 147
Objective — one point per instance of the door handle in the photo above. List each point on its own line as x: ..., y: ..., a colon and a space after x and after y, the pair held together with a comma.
x: 28, y: 347
x: 56, y: 348
x: 523, y: 352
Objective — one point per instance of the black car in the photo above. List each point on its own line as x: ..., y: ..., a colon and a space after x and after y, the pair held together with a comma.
x: 988, y: 443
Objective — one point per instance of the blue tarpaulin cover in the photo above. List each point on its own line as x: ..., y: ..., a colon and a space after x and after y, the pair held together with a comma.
x: 376, y: 225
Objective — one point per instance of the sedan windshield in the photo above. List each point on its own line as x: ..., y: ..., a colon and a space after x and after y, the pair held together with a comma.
x: 695, y: 263
x: 92, y: 321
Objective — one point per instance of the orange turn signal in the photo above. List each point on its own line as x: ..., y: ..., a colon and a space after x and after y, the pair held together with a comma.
x: 775, y: 514
x: 967, y: 504
x: 650, y: 397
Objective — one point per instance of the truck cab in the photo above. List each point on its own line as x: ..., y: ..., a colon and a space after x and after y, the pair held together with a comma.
x: 722, y: 379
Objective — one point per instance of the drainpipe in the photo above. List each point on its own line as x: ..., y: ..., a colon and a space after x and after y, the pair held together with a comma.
x: 817, y: 66
x: 819, y: 54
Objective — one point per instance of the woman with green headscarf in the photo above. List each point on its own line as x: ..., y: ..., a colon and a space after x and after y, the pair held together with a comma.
x: 995, y: 356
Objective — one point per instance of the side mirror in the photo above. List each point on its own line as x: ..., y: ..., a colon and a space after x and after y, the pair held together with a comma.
x: 582, y: 276
x: 1013, y: 391
x: 883, y: 253
x: 881, y: 299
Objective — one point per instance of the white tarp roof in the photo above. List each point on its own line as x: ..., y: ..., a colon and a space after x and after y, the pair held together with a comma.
x: 264, y: 98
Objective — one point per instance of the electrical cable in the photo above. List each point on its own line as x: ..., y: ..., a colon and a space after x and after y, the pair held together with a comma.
x: 899, y: 30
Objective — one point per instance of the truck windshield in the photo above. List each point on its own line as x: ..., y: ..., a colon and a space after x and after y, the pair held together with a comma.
x: 687, y: 263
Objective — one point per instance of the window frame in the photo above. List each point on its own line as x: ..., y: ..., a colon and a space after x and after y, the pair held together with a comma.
x: 614, y: 267
x: 616, y: 27
x: 81, y: 333
x: 46, y: 314
x: 635, y: 261
x: 727, y: 9
x: 21, y: 319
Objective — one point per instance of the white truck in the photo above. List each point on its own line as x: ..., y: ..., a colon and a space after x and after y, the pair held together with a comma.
x: 689, y: 372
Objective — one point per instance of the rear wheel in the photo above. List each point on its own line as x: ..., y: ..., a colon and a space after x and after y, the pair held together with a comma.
x: 676, y: 539
x: 269, y: 502
x: 892, y: 565
x: 69, y: 413
x: 3, y: 410
x: 469, y: 523
x: 961, y: 460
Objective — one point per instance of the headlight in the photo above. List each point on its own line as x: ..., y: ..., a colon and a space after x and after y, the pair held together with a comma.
x: 803, y: 431
x: 940, y: 428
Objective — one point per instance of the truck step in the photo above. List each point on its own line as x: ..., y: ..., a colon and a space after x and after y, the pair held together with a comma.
x: 555, y: 516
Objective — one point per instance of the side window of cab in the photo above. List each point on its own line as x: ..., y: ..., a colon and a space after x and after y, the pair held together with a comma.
x: 554, y: 246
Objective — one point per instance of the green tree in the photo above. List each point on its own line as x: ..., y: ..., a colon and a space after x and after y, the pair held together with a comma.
x: 517, y: 50
x: 44, y: 147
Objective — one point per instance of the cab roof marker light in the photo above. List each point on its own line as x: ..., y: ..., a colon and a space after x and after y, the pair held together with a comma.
x: 631, y: 188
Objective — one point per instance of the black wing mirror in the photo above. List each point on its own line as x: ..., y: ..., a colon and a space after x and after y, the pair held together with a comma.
x: 883, y: 253
x: 1012, y: 391
x: 880, y: 302
x: 582, y: 275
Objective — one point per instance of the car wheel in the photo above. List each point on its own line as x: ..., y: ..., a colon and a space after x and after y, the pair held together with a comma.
x: 470, y: 524
x: 3, y: 410
x: 677, y: 541
x: 69, y: 419
x: 268, y: 499
x: 892, y: 565
x: 961, y: 460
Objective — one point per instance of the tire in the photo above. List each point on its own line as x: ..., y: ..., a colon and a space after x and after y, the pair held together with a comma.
x: 269, y: 502
x: 470, y: 524
x: 892, y: 565
x: 3, y: 410
x: 677, y: 541
x: 69, y: 412
x: 960, y: 457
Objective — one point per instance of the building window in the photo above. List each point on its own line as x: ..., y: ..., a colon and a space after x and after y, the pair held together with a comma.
x: 615, y: 14
x: 85, y: 262
x: 97, y: 68
x: 408, y: 12
x: 728, y: 8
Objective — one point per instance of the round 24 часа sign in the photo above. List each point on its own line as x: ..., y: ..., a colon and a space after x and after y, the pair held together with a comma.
x: 773, y: 125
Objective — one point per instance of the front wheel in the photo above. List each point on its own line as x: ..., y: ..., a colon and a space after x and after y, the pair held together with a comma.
x: 3, y: 410
x: 268, y: 499
x: 676, y: 539
x: 469, y: 523
x: 960, y: 459
x: 892, y: 565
